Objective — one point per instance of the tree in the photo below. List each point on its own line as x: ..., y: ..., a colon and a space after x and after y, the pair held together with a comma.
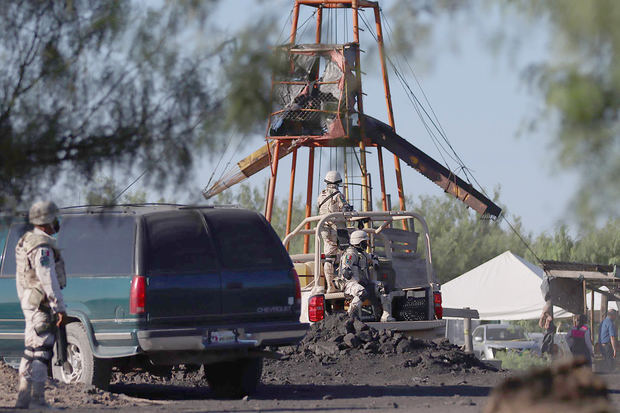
x: 461, y: 241
x: 104, y: 191
x: 252, y: 198
x: 578, y: 82
x: 88, y: 83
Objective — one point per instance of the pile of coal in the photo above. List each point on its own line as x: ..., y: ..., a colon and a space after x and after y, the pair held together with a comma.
x: 569, y: 387
x: 339, y: 335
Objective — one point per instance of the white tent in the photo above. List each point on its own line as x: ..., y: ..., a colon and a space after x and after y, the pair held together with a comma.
x: 505, y: 288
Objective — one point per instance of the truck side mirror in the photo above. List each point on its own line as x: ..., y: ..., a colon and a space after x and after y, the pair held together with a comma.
x: 478, y: 339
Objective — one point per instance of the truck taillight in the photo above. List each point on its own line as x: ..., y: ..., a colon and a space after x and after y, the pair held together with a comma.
x: 137, y: 294
x: 316, y: 308
x: 438, y: 307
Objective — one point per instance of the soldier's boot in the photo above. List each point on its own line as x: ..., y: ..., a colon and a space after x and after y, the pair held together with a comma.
x: 23, y: 395
x: 38, y: 395
x: 386, y: 303
x: 329, y: 278
x: 355, y: 308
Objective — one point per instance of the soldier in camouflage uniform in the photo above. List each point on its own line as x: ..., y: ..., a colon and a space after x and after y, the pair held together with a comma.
x: 40, y: 277
x: 331, y: 200
x: 355, y: 267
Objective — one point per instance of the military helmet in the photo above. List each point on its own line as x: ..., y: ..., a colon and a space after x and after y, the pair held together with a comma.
x: 333, y: 177
x: 42, y: 212
x: 357, y: 237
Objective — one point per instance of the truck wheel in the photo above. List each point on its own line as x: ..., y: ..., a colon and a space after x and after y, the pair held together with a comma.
x: 234, y: 379
x: 81, y: 365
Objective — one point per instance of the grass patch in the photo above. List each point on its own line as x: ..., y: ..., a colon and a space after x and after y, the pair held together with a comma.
x: 521, y: 360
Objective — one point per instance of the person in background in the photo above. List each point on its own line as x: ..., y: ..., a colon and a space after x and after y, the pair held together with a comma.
x: 546, y: 323
x: 607, y: 340
x: 579, y: 339
x: 331, y: 200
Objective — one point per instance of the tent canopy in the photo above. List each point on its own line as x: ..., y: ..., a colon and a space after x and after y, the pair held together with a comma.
x: 506, y: 287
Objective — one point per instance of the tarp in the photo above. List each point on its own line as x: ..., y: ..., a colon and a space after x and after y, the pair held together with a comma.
x: 506, y: 287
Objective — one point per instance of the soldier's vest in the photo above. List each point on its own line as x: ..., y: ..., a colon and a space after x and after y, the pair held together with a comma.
x: 328, y: 201
x: 26, y: 274
x: 359, y: 264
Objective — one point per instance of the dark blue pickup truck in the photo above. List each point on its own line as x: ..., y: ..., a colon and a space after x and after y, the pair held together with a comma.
x: 157, y: 286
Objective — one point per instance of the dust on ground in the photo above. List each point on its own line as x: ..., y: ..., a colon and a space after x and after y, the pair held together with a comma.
x: 341, y: 365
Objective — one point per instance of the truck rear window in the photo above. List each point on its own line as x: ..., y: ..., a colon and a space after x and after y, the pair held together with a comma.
x: 97, y: 244
x: 245, y: 240
x: 177, y: 243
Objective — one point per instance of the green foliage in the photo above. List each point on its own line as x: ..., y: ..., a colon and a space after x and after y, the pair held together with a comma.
x: 253, y: 198
x: 529, y: 326
x: 461, y: 241
x: 105, y: 191
x: 513, y: 360
x: 578, y: 80
x: 86, y: 84
x: 593, y: 245
x: 581, y: 84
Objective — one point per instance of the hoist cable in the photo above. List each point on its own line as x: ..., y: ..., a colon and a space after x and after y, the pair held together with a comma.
x: 439, y: 127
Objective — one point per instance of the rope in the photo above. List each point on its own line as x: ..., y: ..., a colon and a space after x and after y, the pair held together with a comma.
x: 437, y: 124
x: 220, y: 161
x: 130, y: 185
x: 302, y: 26
x: 287, y: 23
x: 514, y: 230
x: 418, y: 106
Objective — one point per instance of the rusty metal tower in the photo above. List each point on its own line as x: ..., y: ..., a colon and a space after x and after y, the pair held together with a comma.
x: 318, y: 102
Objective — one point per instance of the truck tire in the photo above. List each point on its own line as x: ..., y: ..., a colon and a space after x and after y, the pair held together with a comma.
x: 81, y: 365
x: 234, y: 379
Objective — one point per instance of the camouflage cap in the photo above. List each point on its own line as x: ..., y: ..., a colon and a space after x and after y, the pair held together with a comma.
x: 42, y: 212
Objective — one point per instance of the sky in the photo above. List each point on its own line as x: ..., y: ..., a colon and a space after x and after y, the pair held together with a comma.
x: 480, y: 99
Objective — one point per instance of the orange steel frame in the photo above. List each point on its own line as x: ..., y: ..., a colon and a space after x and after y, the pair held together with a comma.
x: 355, y: 5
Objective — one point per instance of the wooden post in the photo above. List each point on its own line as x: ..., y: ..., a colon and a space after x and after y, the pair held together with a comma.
x: 604, y: 306
x: 592, y: 316
x: 469, y: 343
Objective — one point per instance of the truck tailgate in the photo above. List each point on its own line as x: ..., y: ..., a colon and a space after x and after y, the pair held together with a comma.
x: 259, y: 295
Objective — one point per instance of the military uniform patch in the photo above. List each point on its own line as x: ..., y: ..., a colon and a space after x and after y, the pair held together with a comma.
x: 45, y: 258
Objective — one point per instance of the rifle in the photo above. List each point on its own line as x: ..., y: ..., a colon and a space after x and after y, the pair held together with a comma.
x: 61, y: 343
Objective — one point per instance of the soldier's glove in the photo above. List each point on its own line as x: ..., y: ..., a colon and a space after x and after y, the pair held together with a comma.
x: 347, y: 208
x: 375, y: 260
x: 347, y: 274
x: 380, y: 287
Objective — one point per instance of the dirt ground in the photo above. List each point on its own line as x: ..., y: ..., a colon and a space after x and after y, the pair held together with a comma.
x: 323, y: 374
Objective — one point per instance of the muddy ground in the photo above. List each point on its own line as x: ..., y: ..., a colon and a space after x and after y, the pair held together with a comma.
x: 329, y: 371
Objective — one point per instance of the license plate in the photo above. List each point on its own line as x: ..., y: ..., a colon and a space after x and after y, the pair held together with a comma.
x: 220, y: 337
